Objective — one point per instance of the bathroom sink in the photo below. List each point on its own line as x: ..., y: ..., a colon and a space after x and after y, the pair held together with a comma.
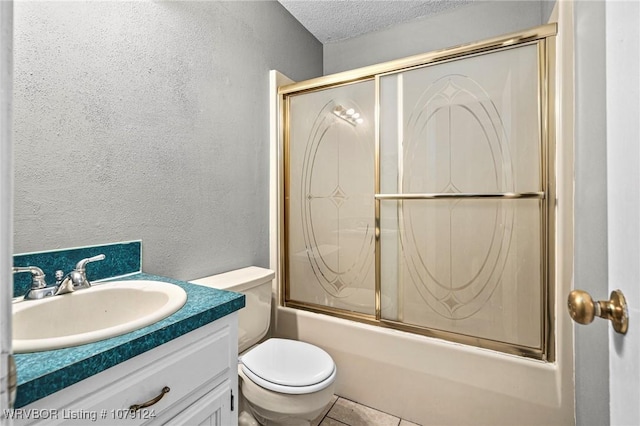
x: 105, y: 310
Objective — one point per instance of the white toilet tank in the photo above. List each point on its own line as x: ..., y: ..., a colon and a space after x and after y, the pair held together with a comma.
x: 255, y: 284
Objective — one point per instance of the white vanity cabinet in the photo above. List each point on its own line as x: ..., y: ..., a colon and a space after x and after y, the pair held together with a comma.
x: 199, y: 369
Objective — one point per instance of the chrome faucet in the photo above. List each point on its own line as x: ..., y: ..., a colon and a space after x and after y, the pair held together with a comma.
x: 39, y: 287
x: 76, y: 279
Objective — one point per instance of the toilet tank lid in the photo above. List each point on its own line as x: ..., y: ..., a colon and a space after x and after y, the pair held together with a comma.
x: 237, y: 280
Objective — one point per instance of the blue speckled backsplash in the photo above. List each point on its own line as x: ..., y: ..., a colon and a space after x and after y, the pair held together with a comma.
x: 121, y: 259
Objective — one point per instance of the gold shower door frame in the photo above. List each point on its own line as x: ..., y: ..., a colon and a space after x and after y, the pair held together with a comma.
x: 543, y: 38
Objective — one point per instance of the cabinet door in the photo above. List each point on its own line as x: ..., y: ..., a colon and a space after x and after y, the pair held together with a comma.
x: 213, y: 409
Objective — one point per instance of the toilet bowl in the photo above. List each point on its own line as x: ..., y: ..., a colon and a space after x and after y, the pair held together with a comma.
x: 281, y: 381
x: 286, y: 381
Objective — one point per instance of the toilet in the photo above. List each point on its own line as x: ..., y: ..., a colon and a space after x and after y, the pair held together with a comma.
x: 281, y: 381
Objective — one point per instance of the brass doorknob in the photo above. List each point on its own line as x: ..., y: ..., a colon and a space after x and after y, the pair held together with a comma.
x: 583, y: 309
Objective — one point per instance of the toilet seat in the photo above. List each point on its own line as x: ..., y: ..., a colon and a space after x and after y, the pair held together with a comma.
x: 288, y: 366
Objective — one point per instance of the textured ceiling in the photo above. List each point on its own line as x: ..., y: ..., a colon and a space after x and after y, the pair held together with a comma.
x: 334, y: 20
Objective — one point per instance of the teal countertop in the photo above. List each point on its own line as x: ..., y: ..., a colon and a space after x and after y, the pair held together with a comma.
x: 42, y: 373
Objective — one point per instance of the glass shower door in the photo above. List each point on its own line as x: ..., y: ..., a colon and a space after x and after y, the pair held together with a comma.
x: 462, y: 201
x: 419, y: 195
x: 329, y: 196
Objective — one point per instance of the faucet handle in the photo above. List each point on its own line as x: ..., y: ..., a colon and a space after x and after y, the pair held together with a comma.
x: 39, y: 287
x: 37, y: 275
x: 81, y: 265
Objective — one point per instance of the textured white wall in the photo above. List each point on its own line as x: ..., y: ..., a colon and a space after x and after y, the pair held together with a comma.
x: 149, y: 120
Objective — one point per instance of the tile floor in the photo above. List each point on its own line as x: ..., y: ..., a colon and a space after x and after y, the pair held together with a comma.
x: 341, y: 412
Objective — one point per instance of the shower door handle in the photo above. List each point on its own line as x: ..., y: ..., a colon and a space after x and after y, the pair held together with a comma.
x: 583, y: 309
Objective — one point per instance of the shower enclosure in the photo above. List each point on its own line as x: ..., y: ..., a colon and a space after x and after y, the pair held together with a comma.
x: 419, y: 194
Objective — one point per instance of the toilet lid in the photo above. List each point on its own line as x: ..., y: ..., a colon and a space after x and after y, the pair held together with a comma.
x: 279, y: 364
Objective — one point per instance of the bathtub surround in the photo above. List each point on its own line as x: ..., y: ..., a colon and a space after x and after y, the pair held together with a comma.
x: 150, y: 120
x: 456, y: 128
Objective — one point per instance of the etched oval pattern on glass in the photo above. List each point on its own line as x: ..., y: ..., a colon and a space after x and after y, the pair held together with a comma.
x: 337, y: 193
x: 455, y: 250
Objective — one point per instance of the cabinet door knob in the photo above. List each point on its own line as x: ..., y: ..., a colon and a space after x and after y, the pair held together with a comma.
x: 583, y: 309
x: 136, y: 407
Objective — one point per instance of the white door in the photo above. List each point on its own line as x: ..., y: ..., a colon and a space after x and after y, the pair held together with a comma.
x: 623, y: 185
x: 6, y: 206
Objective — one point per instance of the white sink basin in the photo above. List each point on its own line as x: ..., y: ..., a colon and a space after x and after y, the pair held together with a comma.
x: 84, y: 316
